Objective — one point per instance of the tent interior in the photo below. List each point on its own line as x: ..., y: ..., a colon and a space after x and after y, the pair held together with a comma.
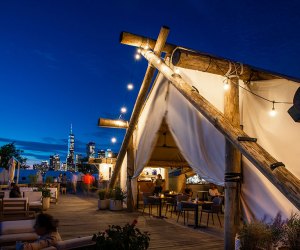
x: 170, y: 129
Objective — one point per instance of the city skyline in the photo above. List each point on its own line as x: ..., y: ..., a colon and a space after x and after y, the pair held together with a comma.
x: 61, y: 62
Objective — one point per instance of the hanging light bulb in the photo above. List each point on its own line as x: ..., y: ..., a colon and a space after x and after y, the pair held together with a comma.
x: 114, y: 140
x: 273, y: 112
x: 130, y: 86
x: 226, y: 86
x: 123, y: 110
x: 137, y: 56
x: 139, y: 50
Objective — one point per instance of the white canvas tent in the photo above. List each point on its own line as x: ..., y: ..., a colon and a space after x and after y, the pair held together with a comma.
x: 203, y: 147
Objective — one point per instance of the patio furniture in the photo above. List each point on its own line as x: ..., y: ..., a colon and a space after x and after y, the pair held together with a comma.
x: 82, y: 242
x: 214, y: 208
x: 171, y: 203
x: 149, y: 201
x: 19, y: 230
x: 184, y: 207
x: 15, y: 208
x: 34, y: 199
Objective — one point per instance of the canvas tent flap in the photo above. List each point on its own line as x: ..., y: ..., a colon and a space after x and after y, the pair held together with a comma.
x: 149, y: 124
x: 200, y: 143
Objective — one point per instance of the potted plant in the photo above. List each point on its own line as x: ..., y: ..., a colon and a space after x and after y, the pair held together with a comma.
x: 103, y: 201
x: 127, y: 237
x: 46, y: 194
x: 117, y: 196
x: 292, y: 232
x: 255, y: 235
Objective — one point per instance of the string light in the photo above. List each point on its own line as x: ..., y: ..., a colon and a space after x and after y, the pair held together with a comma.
x: 123, y: 110
x: 114, y: 140
x: 130, y: 86
x: 137, y: 56
x: 226, y: 86
x: 273, y: 112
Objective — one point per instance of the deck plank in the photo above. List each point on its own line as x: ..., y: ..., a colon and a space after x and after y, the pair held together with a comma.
x: 79, y: 216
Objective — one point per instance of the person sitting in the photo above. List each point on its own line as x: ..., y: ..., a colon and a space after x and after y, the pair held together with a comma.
x: 188, y: 192
x: 213, y: 191
x: 158, y: 184
x: 15, y: 191
x: 46, y: 227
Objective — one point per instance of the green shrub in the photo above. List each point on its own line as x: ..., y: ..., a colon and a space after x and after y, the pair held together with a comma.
x: 255, y: 235
x: 117, y: 194
x: 122, y: 238
x: 102, y: 194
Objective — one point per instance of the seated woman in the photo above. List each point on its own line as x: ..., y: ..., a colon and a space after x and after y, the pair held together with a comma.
x: 46, y: 227
x: 15, y: 191
x: 213, y: 191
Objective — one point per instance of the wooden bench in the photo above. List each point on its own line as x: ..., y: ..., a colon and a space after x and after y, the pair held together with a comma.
x: 16, y: 208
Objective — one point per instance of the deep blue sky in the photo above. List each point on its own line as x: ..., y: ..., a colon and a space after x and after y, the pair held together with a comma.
x: 61, y: 61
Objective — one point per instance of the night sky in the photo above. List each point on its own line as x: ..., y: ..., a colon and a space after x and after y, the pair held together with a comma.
x: 61, y: 61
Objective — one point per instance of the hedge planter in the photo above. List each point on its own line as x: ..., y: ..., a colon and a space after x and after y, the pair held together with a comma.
x: 115, y: 205
x: 103, y: 204
x: 46, y: 203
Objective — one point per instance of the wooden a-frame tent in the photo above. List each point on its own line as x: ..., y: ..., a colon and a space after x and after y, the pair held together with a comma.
x: 205, y: 124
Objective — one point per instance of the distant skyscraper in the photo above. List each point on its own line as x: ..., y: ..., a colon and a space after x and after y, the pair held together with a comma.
x: 101, y: 153
x: 71, y: 155
x: 90, y: 150
x: 55, y: 162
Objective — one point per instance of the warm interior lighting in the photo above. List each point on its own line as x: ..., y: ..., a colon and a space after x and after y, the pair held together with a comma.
x: 114, y: 140
x: 130, y: 86
x: 139, y: 50
x: 177, y: 71
x: 158, y: 61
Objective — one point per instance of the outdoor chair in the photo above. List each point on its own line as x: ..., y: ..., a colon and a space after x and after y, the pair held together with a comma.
x: 183, y: 208
x: 148, y: 201
x: 214, y: 208
x: 170, y: 203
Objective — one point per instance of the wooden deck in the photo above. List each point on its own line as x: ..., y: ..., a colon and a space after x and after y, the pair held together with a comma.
x: 79, y: 216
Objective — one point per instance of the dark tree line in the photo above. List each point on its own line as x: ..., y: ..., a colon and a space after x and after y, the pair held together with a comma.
x: 7, y: 152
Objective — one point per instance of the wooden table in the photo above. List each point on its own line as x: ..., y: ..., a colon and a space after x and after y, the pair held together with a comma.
x: 195, y: 205
x: 160, y: 199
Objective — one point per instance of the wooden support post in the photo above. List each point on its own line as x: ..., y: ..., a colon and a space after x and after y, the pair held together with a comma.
x: 279, y: 176
x: 161, y: 40
x: 232, y: 167
x: 102, y: 122
x: 130, y: 172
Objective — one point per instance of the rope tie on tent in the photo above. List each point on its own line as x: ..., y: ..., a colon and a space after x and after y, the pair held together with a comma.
x: 235, y: 71
x: 233, y: 177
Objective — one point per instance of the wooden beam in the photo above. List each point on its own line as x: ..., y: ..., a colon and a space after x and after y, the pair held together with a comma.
x: 167, y: 164
x: 232, y: 166
x: 102, y: 122
x: 130, y: 172
x: 161, y: 40
x: 143, y: 42
x: 284, y: 180
x: 204, y: 62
